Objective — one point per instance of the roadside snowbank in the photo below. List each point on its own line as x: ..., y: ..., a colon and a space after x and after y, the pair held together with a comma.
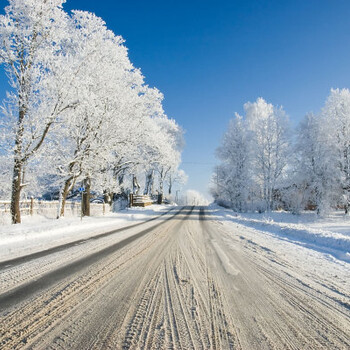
x: 38, y: 233
x: 330, y: 235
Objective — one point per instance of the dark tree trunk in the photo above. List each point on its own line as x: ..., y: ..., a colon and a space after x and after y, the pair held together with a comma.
x: 64, y: 194
x: 17, y: 169
x: 108, y: 197
x: 86, y: 197
x: 149, y: 183
x: 170, y: 185
x: 121, y: 179
x: 160, y: 198
x: 161, y: 186
x: 16, y: 192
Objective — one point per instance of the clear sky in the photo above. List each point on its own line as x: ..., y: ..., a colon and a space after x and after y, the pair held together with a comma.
x: 210, y: 57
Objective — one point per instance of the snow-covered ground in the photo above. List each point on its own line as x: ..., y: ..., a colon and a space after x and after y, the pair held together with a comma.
x: 330, y: 235
x: 38, y: 233
x: 211, y: 280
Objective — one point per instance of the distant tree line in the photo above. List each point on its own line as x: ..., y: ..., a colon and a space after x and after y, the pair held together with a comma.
x: 77, y: 112
x: 265, y: 165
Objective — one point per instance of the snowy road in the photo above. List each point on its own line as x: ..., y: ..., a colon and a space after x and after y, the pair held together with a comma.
x: 185, y: 281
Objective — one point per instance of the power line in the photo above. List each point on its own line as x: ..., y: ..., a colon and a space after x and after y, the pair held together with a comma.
x: 198, y: 163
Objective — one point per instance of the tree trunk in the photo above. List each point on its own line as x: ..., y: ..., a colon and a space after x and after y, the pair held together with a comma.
x: 121, y: 182
x: 86, y: 197
x: 108, y: 197
x: 16, y: 192
x: 64, y: 195
x: 170, y: 186
x: 135, y: 185
x: 17, y: 170
x: 59, y: 203
x: 346, y: 206
x: 149, y: 182
x: 161, y: 186
x: 160, y: 198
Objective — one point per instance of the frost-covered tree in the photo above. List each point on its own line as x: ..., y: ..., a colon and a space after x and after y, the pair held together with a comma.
x: 232, y: 176
x: 105, y: 87
x: 322, y: 164
x: 32, y: 34
x: 175, y: 176
x: 77, y: 109
x: 314, y: 179
x: 192, y: 197
x: 336, y: 118
x: 269, y: 129
x: 163, y: 152
x: 170, y: 150
x: 254, y: 154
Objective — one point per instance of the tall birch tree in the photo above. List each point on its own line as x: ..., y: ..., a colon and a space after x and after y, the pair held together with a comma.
x: 32, y: 33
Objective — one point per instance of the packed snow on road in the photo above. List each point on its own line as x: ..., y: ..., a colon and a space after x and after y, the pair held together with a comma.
x: 191, y: 277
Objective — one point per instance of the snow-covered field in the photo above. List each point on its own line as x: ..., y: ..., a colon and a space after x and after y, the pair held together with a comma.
x: 38, y: 233
x: 330, y: 235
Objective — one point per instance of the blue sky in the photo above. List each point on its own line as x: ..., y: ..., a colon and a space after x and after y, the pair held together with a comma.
x: 210, y: 57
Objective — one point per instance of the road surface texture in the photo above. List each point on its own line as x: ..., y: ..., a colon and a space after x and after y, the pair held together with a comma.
x: 182, y: 281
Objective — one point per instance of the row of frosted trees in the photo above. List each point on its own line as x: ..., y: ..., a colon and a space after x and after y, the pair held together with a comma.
x: 265, y: 165
x: 77, y: 110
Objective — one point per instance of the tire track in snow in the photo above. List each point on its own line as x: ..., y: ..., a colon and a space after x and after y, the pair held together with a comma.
x: 22, y: 292
x: 270, y: 306
x: 178, y: 288
x: 29, y: 257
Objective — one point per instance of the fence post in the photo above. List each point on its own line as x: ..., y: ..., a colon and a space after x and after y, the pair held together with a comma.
x: 103, y: 208
x: 131, y: 200
x: 31, y: 205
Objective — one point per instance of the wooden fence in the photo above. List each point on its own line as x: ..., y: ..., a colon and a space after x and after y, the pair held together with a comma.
x: 49, y: 208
